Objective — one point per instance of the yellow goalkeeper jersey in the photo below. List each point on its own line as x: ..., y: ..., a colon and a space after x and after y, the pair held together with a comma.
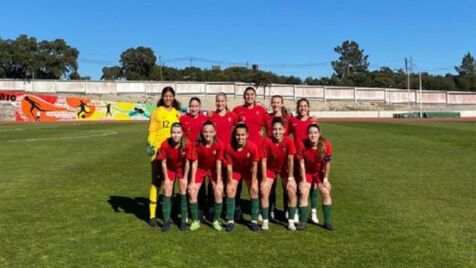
x: 161, y: 120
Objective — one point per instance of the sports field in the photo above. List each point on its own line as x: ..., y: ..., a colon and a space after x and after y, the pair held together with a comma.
x: 76, y: 195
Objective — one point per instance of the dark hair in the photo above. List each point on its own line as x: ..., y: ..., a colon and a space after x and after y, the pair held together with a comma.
x: 175, y: 103
x: 226, y: 98
x: 249, y: 88
x: 278, y: 120
x: 201, y: 138
x: 195, y: 99
x: 297, y: 106
x: 284, y: 111
x: 241, y: 125
x: 320, y: 142
x: 183, y: 140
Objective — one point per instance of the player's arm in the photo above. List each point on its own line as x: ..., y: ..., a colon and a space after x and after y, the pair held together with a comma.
x: 193, y: 170
x: 186, y: 169
x: 290, y: 166
x: 302, y: 169
x: 164, y: 169
x: 327, y: 170
x: 218, y: 171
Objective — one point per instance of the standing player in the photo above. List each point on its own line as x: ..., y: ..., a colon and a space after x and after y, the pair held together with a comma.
x: 278, y: 159
x: 224, y: 119
x: 314, y: 156
x: 162, y: 118
x: 254, y: 116
x: 278, y: 112
x: 242, y: 164
x: 175, y: 154
x: 192, y: 124
x: 299, y: 125
x: 208, y: 163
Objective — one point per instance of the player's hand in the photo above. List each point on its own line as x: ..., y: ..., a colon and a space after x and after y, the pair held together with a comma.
x: 219, y: 186
x: 326, y: 183
x: 150, y: 150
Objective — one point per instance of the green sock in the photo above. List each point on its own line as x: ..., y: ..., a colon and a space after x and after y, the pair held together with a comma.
x: 217, y: 212
x: 327, y: 213
x: 303, y: 213
x: 166, y: 209
x: 230, y: 209
x: 265, y: 212
x: 254, y: 209
x: 183, y: 207
x: 194, y: 211
x: 314, y: 195
x: 292, y: 212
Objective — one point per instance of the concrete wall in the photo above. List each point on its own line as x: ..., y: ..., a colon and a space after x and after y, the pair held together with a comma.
x: 325, y: 93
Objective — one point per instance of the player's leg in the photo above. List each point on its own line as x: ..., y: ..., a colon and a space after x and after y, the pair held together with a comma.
x: 217, y: 190
x: 290, y: 187
x: 183, y: 183
x: 266, y: 186
x: 325, y: 190
x: 168, y: 186
x: 231, y: 191
x: 202, y: 200
x: 154, y: 191
x: 193, y: 189
x: 272, y: 200
x: 253, y: 190
x: 314, y: 197
x: 238, y: 213
x: 304, y: 188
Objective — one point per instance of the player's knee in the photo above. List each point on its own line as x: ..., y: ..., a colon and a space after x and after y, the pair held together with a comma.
x: 230, y: 191
x: 254, y: 192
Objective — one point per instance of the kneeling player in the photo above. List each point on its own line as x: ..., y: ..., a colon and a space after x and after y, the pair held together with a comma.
x: 208, y: 163
x: 314, y: 155
x: 242, y: 163
x: 175, y: 154
x: 278, y: 159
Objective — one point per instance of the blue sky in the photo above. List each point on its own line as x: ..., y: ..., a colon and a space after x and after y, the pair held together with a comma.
x: 281, y: 36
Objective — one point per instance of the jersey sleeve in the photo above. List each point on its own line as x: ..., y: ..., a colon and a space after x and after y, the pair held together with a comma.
x: 300, y: 151
x: 328, y: 156
x: 291, y: 146
x: 255, y: 155
x: 220, y: 151
x: 162, y: 152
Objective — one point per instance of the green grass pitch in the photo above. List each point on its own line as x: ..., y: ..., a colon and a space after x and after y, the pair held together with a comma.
x: 76, y: 195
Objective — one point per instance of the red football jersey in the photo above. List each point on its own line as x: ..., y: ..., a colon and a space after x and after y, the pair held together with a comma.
x: 243, y: 159
x: 208, y: 156
x: 254, y: 118
x: 176, y: 156
x: 192, y: 125
x: 313, y: 161
x: 299, y: 129
x: 224, y: 125
x: 269, y: 124
x: 276, y: 154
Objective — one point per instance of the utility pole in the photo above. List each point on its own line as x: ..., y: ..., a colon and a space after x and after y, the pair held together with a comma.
x: 421, y: 97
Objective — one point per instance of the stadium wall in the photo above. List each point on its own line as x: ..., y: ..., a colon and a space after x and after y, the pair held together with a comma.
x: 324, y: 93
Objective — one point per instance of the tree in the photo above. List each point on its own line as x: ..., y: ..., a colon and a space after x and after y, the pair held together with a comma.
x: 112, y: 73
x: 138, y: 63
x: 24, y: 57
x: 351, y: 60
x: 467, y: 67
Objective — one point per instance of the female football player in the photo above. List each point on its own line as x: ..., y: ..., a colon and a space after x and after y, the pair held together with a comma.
x: 314, y: 156
x: 278, y: 159
x: 207, y: 164
x: 242, y: 164
x: 175, y: 155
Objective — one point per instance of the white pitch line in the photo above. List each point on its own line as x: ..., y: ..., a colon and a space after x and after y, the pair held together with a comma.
x: 37, y: 127
x: 103, y: 134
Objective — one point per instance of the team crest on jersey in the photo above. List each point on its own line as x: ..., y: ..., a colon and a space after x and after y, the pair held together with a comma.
x: 248, y: 155
x: 229, y: 119
x: 214, y: 152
